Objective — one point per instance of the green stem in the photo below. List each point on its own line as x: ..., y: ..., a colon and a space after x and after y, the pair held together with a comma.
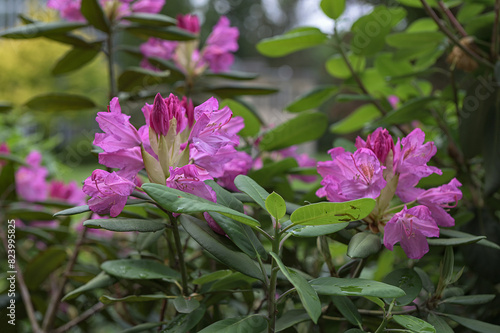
x: 111, y: 66
x: 180, y: 255
x: 271, y: 297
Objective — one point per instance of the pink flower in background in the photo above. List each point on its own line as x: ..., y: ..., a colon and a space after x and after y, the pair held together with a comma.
x: 31, y: 183
x: 220, y: 43
x: 147, y: 6
x: 410, y: 227
x: 109, y: 192
x: 189, y: 22
x: 68, y: 9
x: 70, y: 193
x: 240, y: 164
x: 4, y: 149
x: 393, y: 100
x: 303, y: 161
x: 158, y: 48
x: 380, y: 142
x: 351, y: 176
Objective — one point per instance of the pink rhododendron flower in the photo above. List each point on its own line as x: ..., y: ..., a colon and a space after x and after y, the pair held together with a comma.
x: 68, y: 9
x: 189, y: 179
x: 351, y: 176
x: 4, y: 149
x: 164, y: 111
x: 108, y: 191
x: 70, y: 193
x: 410, y: 227
x: 129, y: 161
x: 393, y: 100
x: 303, y: 161
x: 380, y: 142
x: 31, y: 183
x: 189, y: 22
x: 220, y: 43
x: 158, y: 48
x: 147, y: 6
x: 239, y: 165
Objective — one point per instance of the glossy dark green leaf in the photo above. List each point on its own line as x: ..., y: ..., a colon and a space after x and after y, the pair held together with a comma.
x: 42, y: 265
x: 235, y: 280
x: 363, y: 245
x: 414, y: 109
x: 73, y: 211
x: 234, y: 90
x: 216, y: 246
x: 224, y: 197
x: 470, y: 299
x: 317, y: 230
x: 140, y: 269
x: 414, y: 324
x: 446, y: 266
x: 292, y: 41
x: 136, y: 78
x: 454, y: 241
x: 232, y: 75
x: 460, y: 234
x: 124, y: 224
x: 410, y: 39
x: 332, y: 212
x: 167, y: 33
x: 304, y: 127
x: 180, y: 202
x: 74, y: 59
x: 60, y: 102
x: 247, y: 185
x: 354, y: 287
x: 183, y: 323
x: 93, y: 12
x: 356, y: 120
x: 252, y: 323
x: 186, y: 305
x: 347, y: 309
x: 439, y: 323
x: 105, y: 299
x: 252, y: 122
x: 40, y: 29
x: 475, y: 325
x: 242, y: 236
x: 144, y: 240
x: 151, y: 19
x: 102, y: 280
x: 210, y: 277
x: 308, y: 297
x: 491, y: 149
x: 313, y: 99
x: 275, y: 205
x: 333, y: 8
x: 406, y: 279
x: 145, y: 327
x: 269, y: 171
x: 30, y: 214
x: 8, y: 181
x: 290, y: 318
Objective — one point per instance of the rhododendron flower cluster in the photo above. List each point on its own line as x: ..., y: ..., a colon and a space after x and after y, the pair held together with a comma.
x: 70, y: 10
x: 380, y: 169
x: 179, y: 146
x: 216, y: 53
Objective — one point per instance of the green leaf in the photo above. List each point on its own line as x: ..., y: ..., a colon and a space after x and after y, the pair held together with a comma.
x: 184, y: 322
x: 241, y: 235
x: 74, y: 59
x: 475, y: 325
x: 437, y: 180
x: 410, y: 39
x: 93, y: 12
x: 167, y: 33
x: 145, y: 327
x: 317, y: 230
x: 455, y: 241
x: 232, y: 75
x: 470, y: 299
x: 347, y: 309
x: 439, y: 323
x: 414, y: 324
x: 446, y: 266
x: 132, y: 299
x: 269, y: 171
x: 293, y: 41
x: 313, y: 99
x: 290, y: 318
x: 423, y: 24
x: 180, y: 202
x: 370, y: 30
x: 186, y: 305
x: 333, y: 8
x: 5, y: 107
x: 356, y: 120
x: 73, y: 211
x: 342, y: 98
x: 144, y: 240
x: 30, y: 214
x: 252, y: 122
x: 354, y: 287
x: 406, y: 112
x: 151, y: 19
x: 363, y: 245
x: 247, y: 185
x: 224, y: 197
x: 218, y: 247
x: 333, y: 212
x: 41, y: 266
x: 123, y: 224
x: 376, y: 301
x: 304, y: 127
x: 408, y: 280
x: 253, y: 323
x: 210, y: 277
x: 60, y: 102
x: 337, y: 67
x: 461, y: 234
x: 276, y: 206
x: 234, y: 90
x: 307, y: 295
x: 140, y: 269
x: 40, y: 29
x: 136, y: 78
x: 101, y: 280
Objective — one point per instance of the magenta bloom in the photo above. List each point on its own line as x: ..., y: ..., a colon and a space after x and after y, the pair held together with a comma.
x: 239, y: 165
x: 68, y: 9
x: 147, y: 6
x: 119, y: 133
x: 189, y: 179
x: 351, y: 176
x: 220, y: 43
x: 4, y: 149
x: 31, y: 183
x: 159, y: 48
x: 129, y: 161
x: 70, y: 193
x: 303, y: 161
x: 189, y: 22
x: 380, y: 142
x: 410, y: 227
x: 162, y: 113
x: 393, y: 100
x: 109, y: 192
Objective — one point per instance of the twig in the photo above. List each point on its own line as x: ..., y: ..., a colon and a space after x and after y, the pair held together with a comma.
x: 56, y: 298
x: 111, y: 64
x: 162, y: 312
x: 453, y: 19
x: 24, y: 289
x: 96, y: 308
x: 452, y: 37
x: 494, y: 37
